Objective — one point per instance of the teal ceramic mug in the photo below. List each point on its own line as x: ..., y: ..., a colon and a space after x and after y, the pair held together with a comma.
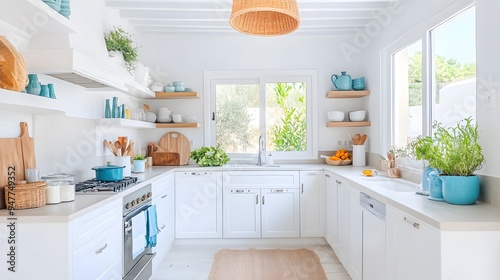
x: 44, y: 91
x: 358, y: 83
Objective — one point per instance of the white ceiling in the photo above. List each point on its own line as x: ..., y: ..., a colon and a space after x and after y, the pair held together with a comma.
x: 334, y: 17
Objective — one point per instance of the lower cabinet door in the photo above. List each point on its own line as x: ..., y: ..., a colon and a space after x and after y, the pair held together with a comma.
x: 280, y: 212
x: 101, y: 257
x: 241, y: 213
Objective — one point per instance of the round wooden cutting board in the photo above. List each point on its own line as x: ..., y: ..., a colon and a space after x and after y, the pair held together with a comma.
x: 175, y: 142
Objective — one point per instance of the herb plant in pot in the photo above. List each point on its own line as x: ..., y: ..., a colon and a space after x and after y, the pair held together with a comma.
x: 456, y: 153
x: 139, y: 163
x: 118, y: 41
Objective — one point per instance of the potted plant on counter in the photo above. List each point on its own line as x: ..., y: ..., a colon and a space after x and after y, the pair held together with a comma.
x: 455, y: 152
x: 139, y: 163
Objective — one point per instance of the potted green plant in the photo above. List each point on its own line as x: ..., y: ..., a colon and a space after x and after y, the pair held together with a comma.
x: 455, y: 152
x: 118, y: 40
x: 139, y: 163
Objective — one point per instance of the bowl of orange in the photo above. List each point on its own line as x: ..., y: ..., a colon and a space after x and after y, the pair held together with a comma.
x: 341, y: 157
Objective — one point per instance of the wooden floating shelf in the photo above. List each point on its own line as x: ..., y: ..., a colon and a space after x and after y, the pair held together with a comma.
x: 347, y: 93
x: 177, y: 125
x: 177, y: 95
x: 348, y: 124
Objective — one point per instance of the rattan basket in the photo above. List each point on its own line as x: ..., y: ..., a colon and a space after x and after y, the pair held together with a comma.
x: 338, y: 162
x: 25, y: 196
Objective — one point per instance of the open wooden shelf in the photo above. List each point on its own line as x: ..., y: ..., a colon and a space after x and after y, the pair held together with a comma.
x: 177, y: 95
x: 347, y: 93
x: 348, y: 124
x: 177, y: 125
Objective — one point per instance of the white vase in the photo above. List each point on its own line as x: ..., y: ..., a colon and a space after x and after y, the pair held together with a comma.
x: 116, y: 58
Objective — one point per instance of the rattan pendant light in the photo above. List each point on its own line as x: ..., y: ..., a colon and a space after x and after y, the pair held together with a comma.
x: 265, y: 17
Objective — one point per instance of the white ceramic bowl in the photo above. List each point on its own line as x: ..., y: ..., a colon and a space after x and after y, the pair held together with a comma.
x: 336, y: 116
x: 188, y: 118
x: 166, y: 119
x: 177, y: 118
x: 150, y: 117
x: 357, y: 116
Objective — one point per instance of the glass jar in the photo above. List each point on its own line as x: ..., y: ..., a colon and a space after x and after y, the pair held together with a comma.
x: 63, y: 182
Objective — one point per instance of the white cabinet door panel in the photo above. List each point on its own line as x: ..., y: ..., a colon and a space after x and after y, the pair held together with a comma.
x: 280, y: 213
x: 312, y: 204
x: 241, y: 213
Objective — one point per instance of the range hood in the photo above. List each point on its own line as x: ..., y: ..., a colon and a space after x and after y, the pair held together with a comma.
x: 78, y: 68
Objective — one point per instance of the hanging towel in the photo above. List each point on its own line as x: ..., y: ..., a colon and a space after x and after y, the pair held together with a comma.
x: 152, y: 227
x: 139, y: 241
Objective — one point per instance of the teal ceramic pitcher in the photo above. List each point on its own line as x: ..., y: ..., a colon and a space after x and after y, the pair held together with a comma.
x: 342, y: 82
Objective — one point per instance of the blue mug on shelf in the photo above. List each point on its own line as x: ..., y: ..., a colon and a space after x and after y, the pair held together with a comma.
x: 33, y: 86
x: 358, y: 83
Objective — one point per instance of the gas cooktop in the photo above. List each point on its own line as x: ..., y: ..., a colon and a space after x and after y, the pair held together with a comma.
x: 93, y: 186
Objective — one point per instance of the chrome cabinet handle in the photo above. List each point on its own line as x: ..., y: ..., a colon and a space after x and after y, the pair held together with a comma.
x: 257, y: 199
x: 101, y: 249
x: 338, y: 182
x: 302, y: 188
x: 240, y: 191
x: 279, y: 190
x: 263, y: 201
x: 163, y: 196
x: 162, y: 227
x: 414, y: 224
x: 327, y: 175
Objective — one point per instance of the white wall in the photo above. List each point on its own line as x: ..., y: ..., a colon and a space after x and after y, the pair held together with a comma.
x: 185, y: 57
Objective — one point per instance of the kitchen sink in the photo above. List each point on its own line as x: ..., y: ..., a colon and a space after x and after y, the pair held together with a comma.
x: 396, y: 185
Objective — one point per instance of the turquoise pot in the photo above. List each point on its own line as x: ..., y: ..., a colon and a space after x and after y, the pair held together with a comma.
x: 461, y: 190
x: 435, y: 185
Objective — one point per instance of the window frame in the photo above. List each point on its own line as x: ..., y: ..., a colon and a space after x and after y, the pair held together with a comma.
x: 211, y: 78
x: 387, y: 106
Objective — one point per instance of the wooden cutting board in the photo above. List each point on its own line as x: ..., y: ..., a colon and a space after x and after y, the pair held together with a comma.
x: 165, y: 159
x: 16, y: 152
x: 175, y: 142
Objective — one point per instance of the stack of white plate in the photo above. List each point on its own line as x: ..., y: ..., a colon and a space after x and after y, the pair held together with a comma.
x: 164, y: 115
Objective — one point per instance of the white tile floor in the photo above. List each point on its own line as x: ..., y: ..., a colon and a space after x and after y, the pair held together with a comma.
x: 193, y: 262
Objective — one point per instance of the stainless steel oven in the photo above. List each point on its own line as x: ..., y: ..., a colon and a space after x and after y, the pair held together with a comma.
x: 137, y: 255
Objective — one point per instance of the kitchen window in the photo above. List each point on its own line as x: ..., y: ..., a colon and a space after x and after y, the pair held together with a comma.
x: 434, y: 78
x: 276, y: 105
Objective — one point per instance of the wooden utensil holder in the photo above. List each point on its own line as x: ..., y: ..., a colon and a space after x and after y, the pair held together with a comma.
x: 393, y: 172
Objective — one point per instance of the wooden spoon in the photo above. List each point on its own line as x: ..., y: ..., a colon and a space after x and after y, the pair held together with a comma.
x: 128, y: 151
x: 363, y: 139
x: 357, y: 137
x: 118, y: 147
x: 106, y: 145
x: 113, y: 148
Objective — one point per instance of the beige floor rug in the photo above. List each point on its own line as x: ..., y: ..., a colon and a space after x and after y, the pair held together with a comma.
x: 273, y: 264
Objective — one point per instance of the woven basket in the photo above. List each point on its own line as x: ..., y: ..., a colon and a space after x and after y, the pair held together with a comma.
x: 338, y: 162
x: 265, y: 17
x: 26, y: 196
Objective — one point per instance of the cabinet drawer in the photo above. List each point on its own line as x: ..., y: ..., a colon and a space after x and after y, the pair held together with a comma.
x: 165, y: 205
x: 101, y: 257
x: 89, y: 226
x: 163, y: 184
x: 261, y: 179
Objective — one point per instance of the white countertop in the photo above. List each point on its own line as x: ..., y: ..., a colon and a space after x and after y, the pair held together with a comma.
x: 443, y: 216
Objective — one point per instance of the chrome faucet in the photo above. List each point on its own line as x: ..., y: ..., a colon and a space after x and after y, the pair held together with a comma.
x: 261, y: 146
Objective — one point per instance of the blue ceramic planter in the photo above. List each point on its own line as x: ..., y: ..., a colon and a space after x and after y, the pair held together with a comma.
x: 461, y: 190
x: 435, y: 185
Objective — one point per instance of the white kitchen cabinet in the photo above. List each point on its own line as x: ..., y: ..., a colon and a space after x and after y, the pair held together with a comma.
x: 331, y: 233
x: 97, y: 244
x: 163, y: 198
x: 413, y: 248
x: 241, y: 213
x: 261, y: 204
x: 312, y: 204
x: 198, y: 204
x: 355, y: 235
x: 261, y: 213
x: 280, y: 213
x: 344, y: 224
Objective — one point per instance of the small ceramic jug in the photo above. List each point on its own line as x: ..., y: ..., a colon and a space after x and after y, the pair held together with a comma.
x: 342, y: 82
x: 44, y: 91
x: 33, y: 84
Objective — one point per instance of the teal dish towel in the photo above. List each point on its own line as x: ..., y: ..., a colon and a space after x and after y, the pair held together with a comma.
x: 152, y: 226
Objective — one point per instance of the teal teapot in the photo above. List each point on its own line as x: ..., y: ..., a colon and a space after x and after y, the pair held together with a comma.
x: 342, y: 82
